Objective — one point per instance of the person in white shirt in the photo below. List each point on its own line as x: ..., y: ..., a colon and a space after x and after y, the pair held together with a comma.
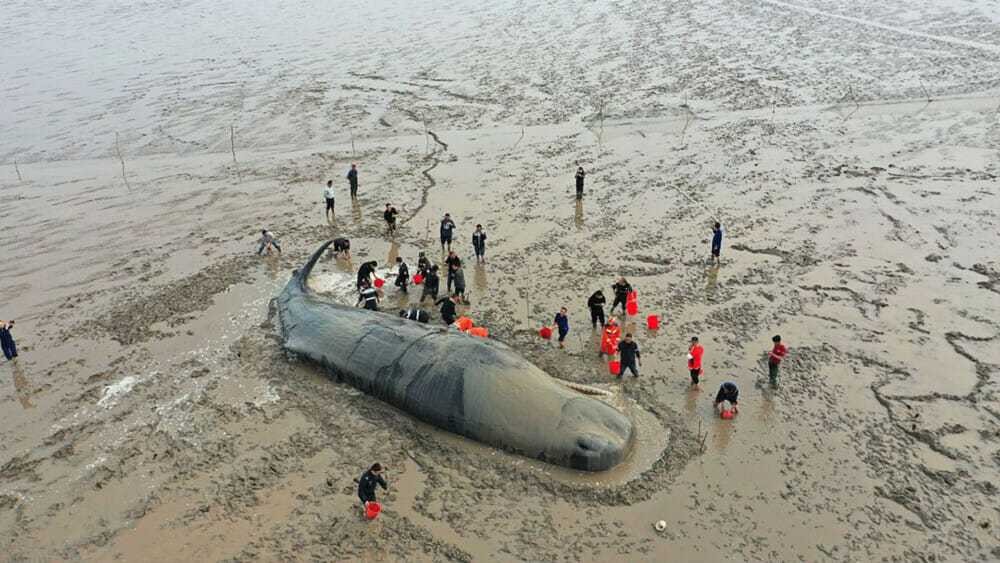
x: 328, y: 194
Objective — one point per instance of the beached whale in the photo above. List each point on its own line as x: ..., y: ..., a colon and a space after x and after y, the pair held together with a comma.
x: 476, y: 387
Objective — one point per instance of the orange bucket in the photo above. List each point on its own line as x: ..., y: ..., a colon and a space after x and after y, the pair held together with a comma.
x: 479, y: 331
x: 372, y: 509
x: 615, y: 367
x: 653, y: 322
x: 464, y: 323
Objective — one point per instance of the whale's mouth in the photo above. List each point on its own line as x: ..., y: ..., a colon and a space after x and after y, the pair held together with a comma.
x: 592, y: 452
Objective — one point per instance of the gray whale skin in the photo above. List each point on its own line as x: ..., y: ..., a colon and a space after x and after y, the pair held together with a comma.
x: 475, y: 387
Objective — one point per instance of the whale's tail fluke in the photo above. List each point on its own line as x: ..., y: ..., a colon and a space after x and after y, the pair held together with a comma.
x: 302, y: 275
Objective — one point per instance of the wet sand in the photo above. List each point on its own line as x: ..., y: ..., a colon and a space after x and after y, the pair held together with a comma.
x: 154, y: 416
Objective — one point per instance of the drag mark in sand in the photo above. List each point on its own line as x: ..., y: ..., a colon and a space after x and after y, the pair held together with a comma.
x: 431, y: 182
x: 995, y: 49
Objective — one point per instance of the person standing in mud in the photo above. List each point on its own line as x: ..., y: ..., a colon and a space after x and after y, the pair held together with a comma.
x: 716, y: 243
x: 561, y: 322
x: 342, y: 248
x: 458, y: 275
x: 423, y: 264
x: 453, y: 261
x: 368, y: 482
x: 621, y: 288
x: 695, y: 353
x: 352, y: 178
x: 628, y: 355
x: 7, y: 340
x: 390, y: 217
x: 368, y: 296
x: 365, y: 273
x: 580, y: 174
x: 609, y: 340
x: 774, y: 357
x: 267, y: 242
x: 448, y: 311
x: 596, y: 305
x: 479, y: 244
x: 328, y: 195
x: 431, y: 284
x: 402, y: 274
x: 447, y: 227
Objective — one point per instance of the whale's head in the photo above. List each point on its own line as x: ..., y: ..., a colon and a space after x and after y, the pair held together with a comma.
x: 591, y: 436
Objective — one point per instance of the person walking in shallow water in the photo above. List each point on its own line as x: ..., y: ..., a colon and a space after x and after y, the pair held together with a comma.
x: 695, y: 352
x: 352, y: 179
x: 580, y: 174
x: 368, y: 483
x: 621, y: 288
x: 628, y: 355
x: 390, y: 217
x: 328, y: 195
x: 447, y: 227
x: 561, y: 322
x: 479, y: 244
x: 716, y: 243
x: 774, y: 357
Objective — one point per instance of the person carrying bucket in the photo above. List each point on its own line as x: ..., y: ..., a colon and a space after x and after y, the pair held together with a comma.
x: 727, y: 400
x: 402, y: 274
x: 562, y: 323
x: 367, y: 484
x: 365, y: 272
x: 609, y: 341
x: 695, y: 352
x: 628, y: 355
x: 621, y: 289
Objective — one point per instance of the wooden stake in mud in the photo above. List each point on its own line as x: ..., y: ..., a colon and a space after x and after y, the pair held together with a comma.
x: 232, y: 142
x: 121, y: 158
x: 353, y: 153
x: 18, y: 170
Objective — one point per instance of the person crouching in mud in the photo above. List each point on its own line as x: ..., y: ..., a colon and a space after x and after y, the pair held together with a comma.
x: 342, y: 248
x: 448, y: 310
x: 727, y: 400
x: 365, y: 272
x: 267, y: 242
x: 369, y: 296
x: 368, y: 482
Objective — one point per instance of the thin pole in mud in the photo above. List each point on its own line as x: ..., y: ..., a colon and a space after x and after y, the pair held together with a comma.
x: 118, y: 149
x: 857, y: 106
x: 232, y: 142
x: 18, y: 170
x: 702, y: 437
x: 353, y: 153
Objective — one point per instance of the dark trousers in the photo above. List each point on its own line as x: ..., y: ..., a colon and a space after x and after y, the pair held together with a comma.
x: 579, y: 191
x: 695, y: 373
x: 401, y: 283
x: 619, y: 299
x: 9, y: 350
x: 354, y: 189
x: 451, y: 280
x: 629, y: 366
x: 427, y: 291
x: 772, y: 371
x: 480, y: 251
x: 597, y: 314
x: 329, y: 205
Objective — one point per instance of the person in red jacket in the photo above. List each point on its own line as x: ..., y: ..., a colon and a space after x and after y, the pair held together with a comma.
x: 695, y: 352
x: 774, y: 358
x: 609, y: 342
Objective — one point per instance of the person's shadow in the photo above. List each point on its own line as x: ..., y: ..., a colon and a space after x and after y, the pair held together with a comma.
x: 480, y: 277
x: 356, y: 210
x: 22, y: 387
x: 711, y: 282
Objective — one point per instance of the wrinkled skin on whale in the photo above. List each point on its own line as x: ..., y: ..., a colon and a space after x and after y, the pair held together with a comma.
x: 475, y: 387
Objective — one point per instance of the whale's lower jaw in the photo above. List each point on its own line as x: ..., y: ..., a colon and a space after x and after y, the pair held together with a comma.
x: 478, y: 388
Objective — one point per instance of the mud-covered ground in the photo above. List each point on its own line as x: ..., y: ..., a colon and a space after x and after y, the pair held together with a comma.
x: 851, y: 154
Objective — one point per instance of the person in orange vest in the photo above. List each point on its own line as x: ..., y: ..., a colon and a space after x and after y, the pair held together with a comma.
x: 609, y: 342
x: 695, y: 352
x: 774, y: 358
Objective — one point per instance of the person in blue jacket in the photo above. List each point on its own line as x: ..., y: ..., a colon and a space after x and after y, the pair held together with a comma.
x: 562, y: 323
x: 716, y: 242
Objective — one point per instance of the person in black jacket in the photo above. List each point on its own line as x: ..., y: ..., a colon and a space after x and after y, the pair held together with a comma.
x: 628, y: 355
x: 728, y: 391
x: 479, y: 243
x: 423, y: 264
x: 621, y: 289
x: 453, y: 262
x: 342, y: 247
x: 402, y: 274
x: 352, y: 177
x: 431, y: 284
x: 596, y: 306
x: 580, y: 174
x: 7, y: 340
x: 369, y: 296
x: 390, y: 217
x: 365, y: 272
x: 415, y: 314
x: 368, y: 482
x: 448, y: 312
x: 447, y: 226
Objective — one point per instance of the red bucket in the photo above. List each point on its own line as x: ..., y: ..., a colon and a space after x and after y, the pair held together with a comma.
x: 418, y: 279
x: 728, y: 415
x: 653, y: 322
x: 545, y: 332
x: 372, y: 509
x: 632, y: 308
x: 633, y: 297
x: 614, y: 366
x: 379, y: 282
